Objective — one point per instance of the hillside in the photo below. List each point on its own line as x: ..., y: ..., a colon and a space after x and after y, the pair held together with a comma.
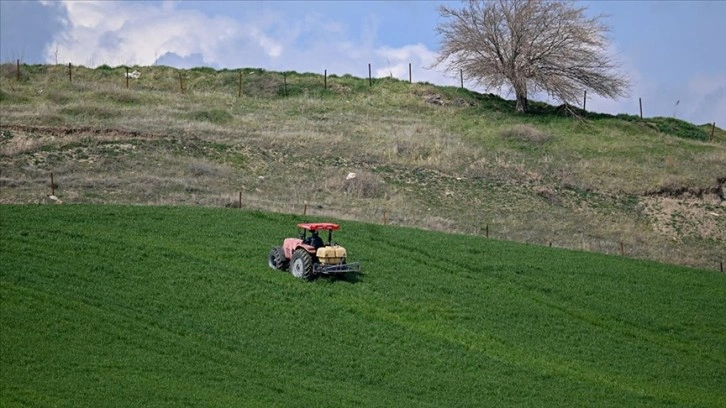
x: 431, y: 157
x: 175, y: 306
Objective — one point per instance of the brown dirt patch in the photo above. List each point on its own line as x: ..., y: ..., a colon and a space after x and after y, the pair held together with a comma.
x: 679, y: 218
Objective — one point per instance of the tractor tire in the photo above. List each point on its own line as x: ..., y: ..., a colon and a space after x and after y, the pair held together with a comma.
x: 276, y: 260
x: 301, y: 264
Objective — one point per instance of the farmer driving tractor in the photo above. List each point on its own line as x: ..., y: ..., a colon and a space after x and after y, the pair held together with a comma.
x: 314, y: 240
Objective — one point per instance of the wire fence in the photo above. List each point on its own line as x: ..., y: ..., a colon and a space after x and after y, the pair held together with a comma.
x: 387, y: 217
x: 258, y: 82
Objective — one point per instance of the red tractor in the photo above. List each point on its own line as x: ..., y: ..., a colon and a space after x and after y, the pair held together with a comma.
x: 309, y: 256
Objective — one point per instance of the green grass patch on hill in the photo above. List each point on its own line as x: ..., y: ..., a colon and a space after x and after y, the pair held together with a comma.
x: 170, y: 306
x: 677, y: 127
x: 213, y: 116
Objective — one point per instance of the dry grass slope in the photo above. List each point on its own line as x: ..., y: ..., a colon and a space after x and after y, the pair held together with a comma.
x: 431, y: 157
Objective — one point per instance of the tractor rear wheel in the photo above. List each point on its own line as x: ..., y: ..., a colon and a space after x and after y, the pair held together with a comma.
x: 276, y: 260
x: 301, y: 264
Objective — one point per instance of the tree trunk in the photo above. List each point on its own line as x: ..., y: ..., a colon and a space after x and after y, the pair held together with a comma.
x: 522, y: 105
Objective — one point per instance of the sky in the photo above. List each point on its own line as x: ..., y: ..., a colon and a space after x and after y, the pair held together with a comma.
x: 674, y: 52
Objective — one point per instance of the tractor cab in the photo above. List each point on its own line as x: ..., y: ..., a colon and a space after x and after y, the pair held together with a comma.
x: 314, y: 239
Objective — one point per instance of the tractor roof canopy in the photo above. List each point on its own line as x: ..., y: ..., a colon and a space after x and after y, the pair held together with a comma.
x: 315, y: 226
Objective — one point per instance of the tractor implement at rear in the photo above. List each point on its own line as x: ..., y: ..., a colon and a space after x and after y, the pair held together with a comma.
x: 334, y: 269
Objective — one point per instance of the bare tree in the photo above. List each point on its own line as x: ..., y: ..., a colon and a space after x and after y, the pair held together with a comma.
x: 530, y: 46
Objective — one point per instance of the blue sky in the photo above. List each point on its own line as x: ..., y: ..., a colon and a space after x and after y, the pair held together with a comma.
x: 673, y: 51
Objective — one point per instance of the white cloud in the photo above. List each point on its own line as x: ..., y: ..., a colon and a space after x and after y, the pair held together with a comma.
x: 117, y: 33
x: 418, y: 55
x: 708, y: 96
x: 271, y: 47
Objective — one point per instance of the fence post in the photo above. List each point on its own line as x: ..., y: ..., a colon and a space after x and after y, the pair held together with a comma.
x: 410, y: 78
x: 284, y: 82
x: 584, y: 101
x: 640, y: 101
x: 461, y: 75
x: 325, y: 80
x: 239, y: 86
x: 240, y: 199
x: 487, y: 231
x: 713, y: 129
x: 622, y: 249
x: 305, y: 209
x: 385, y: 218
x: 52, y: 184
x: 17, y: 71
x: 370, y: 80
x: 70, y: 73
x: 127, y: 77
x: 181, y: 84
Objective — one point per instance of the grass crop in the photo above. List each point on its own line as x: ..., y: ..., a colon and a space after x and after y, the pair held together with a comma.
x: 169, y: 306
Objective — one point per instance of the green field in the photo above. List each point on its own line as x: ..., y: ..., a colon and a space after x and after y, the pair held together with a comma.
x: 175, y: 306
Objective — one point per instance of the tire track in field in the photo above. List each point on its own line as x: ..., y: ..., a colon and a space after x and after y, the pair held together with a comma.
x: 603, y: 322
x: 508, y: 353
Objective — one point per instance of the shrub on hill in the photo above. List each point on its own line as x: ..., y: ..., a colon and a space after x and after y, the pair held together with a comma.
x: 680, y: 128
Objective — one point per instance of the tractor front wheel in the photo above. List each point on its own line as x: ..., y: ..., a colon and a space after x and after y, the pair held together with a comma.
x: 301, y: 264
